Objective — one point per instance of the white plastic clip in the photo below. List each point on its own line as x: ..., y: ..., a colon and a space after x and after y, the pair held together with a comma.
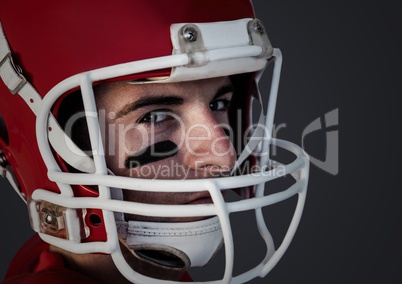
x: 11, y: 76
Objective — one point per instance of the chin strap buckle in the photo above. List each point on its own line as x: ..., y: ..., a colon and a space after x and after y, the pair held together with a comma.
x: 11, y: 74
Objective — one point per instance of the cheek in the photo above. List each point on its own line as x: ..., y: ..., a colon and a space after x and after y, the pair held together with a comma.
x: 131, y: 139
x: 121, y: 141
x: 222, y: 117
x: 151, y: 154
x: 125, y: 140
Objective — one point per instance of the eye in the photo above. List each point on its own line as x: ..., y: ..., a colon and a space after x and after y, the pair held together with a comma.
x: 154, y: 117
x: 219, y: 105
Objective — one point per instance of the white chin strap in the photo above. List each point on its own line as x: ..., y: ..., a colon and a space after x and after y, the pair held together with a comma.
x: 172, y: 245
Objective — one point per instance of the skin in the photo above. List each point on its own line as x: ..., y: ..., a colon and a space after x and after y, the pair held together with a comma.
x: 212, y: 156
x: 180, y: 113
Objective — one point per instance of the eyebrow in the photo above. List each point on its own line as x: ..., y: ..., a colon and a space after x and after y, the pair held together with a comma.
x: 224, y: 90
x: 164, y: 100
x: 147, y: 101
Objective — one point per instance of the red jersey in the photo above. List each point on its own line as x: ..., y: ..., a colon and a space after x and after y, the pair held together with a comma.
x: 35, y: 264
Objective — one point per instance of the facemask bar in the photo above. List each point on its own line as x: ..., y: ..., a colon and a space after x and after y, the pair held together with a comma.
x: 221, y: 209
x: 214, y: 186
x: 260, y: 137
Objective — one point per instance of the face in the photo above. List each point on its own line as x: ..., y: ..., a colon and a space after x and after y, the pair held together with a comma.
x: 167, y: 131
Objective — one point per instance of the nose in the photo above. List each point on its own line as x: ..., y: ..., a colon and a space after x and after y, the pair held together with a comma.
x: 208, y: 147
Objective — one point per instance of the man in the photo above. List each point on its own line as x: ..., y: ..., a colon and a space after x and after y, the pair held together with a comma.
x: 135, y: 125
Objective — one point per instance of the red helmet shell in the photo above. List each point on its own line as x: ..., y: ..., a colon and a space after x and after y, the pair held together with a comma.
x: 53, y: 40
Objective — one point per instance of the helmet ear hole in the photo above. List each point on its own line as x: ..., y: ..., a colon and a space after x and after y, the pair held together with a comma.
x: 95, y: 220
x: 3, y: 131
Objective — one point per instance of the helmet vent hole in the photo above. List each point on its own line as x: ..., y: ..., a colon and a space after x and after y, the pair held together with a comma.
x: 3, y: 131
x: 95, y: 220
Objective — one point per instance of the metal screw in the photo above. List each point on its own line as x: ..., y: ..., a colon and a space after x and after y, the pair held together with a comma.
x: 259, y: 27
x: 3, y: 165
x: 190, y: 34
x: 3, y: 160
x: 18, y: 68
x: 49, y: 219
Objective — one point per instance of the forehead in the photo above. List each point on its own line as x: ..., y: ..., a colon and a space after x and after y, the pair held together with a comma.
x: 121, y: 92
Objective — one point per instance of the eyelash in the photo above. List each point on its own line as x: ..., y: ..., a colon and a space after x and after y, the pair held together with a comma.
x: 146, y: 118
x: 226, y: 104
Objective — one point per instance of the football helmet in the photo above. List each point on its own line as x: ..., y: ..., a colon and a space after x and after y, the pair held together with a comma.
x: 51, y: 50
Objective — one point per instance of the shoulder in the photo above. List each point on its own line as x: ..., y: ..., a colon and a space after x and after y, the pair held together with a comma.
x: 49, y: 277
x: 27, y: 257
x: 34, y: 263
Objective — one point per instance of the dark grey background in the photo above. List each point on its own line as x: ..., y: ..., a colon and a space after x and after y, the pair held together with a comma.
x: 341, y: 55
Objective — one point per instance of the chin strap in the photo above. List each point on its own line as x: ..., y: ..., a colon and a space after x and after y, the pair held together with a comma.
x: 12, y: 76
x: 172, y: 245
